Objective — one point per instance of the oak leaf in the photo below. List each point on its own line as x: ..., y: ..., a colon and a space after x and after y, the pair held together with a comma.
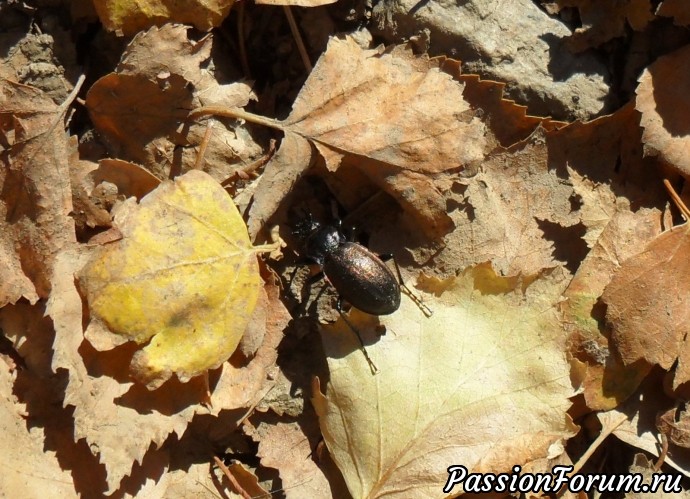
x: 483, y: 382
x: 184, y: 281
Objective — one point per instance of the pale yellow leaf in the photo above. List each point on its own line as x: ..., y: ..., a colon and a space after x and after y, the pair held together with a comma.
x: 483, y: 382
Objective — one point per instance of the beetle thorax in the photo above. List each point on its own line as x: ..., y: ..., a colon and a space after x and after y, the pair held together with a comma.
x: 322, y: 242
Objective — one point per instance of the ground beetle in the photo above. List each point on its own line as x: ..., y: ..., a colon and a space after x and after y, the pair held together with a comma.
x: 359, y: 276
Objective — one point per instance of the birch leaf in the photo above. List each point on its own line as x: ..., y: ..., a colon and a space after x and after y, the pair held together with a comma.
x: 483, y: 382
x: 183, y: 281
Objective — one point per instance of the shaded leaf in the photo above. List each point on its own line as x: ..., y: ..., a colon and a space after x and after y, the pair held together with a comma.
x: 677, y: 9
x: 36, y: 196
x: 140, y: 108
x: 663, y: 98
x: 607, y: 19
x: 647, y: 306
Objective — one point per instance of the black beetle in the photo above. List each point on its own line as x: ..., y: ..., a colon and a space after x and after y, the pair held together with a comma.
x: 359, y: 276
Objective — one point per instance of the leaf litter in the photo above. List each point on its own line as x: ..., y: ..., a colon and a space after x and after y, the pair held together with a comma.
x: 529, y: 228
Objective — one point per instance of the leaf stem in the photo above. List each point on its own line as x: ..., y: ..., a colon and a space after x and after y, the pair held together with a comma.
x: 677, y: 200
x: 234, y: 112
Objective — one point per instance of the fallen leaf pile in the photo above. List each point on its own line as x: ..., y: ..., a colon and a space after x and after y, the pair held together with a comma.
x: 161, y: 337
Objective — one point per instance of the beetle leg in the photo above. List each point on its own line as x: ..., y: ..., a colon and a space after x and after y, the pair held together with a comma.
x: 339, y: 308
x: 416, y: 299
x: 315, y: 278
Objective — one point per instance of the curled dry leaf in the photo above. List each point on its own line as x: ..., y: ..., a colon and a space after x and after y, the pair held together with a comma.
x: 675, y: 424
x: 139, y: 110
x: 183, y: 280
x: 36, y: 196
x: 402, y: 118
x: 663, y: 98
x: 483, y: 382
x: 130, y: 179
x: 648, y: 303
x: 127, y: 17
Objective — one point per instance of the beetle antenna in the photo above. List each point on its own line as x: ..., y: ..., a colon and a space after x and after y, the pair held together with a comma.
x: 372, y: 366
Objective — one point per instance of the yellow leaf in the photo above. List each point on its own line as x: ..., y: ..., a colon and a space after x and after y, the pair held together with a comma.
x: 183, y: 280
x: 484, y: 382
x: 127, y: 17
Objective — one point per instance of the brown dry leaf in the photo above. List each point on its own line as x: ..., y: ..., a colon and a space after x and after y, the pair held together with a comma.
x: 287, y: 449
x: 483, y: 382
x: 117, y: 431
x: 639, y: 423
x: 544, y: 201
x: 130, y: 179
x: 607, y: 381
x: 123, y: 422
x: 247, y: 481
x: 675, y: 424
x: 604, y: 20
x: 42, y: 390
x: 28, y: 469
x: 677, y: 9
x: 88, y: 212
x: 246, y: 386
x: 140, y: 109
x: 648, y: 306
x: 507, y: 120
x: 126, y: 17
x: 297, y: 3
x: 603, y: 161
x: 509, y: 206
x: 663, y: 98
x: 134, y: 113
x: 670, y: 486
x: 36, y: 194
x: 404, y: 120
